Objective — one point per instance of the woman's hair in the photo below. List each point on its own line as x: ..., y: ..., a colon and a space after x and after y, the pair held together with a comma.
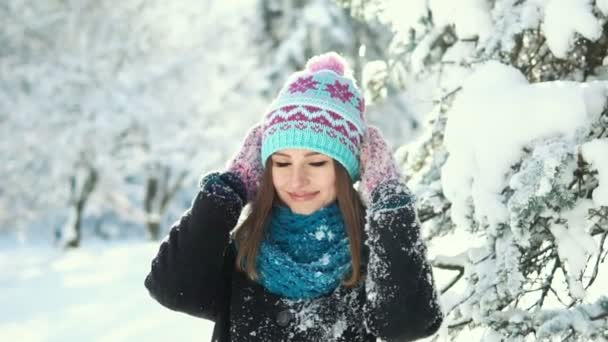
x: 250, y: 233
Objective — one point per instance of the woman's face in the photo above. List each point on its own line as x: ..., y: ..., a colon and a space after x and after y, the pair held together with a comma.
x: 304, y: 180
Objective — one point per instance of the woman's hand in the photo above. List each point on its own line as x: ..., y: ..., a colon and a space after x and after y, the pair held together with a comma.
x: 247, y: 163
x: 377, y: 163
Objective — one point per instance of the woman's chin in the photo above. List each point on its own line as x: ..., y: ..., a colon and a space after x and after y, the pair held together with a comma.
x: 304, y: 208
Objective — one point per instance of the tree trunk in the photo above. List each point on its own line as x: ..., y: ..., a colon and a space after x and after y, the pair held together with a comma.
x: 158, y: 195
x: 82, y: 184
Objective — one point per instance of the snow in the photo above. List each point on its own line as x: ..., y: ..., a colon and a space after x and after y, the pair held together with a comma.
x: 422, y: 50
x: 564, y: 18
x: 316, y: 13
x: 339, y: 327
x: 508, y: 114
x: 316, y: 328
x: 324, y: 259
x: 95, y: 293
x: 373, y: 73
x: 575, y: 245
x: 471, y: 18
x: 563, y: 321
x: 596, y: 153
x: 404, y: 16
x: 496, y: 23
x: 602, y: 5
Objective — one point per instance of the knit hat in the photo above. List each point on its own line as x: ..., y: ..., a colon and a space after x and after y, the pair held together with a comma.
x: 320, y: 109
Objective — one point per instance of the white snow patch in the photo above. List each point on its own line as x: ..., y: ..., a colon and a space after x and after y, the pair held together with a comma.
x: 575, y: 245
x: 564, y: 18
x: 596, y: 153
x: 602, y: 5
x: 405, y: 15
x: 471, y: 18
x: 324, y: 259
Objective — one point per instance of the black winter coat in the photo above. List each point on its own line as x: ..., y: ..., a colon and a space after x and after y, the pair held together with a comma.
x: 194, y: 272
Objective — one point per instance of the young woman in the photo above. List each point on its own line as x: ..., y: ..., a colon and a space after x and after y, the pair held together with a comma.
x: 314, y: 260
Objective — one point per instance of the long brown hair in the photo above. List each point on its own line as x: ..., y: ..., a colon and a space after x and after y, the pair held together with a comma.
x: 250, y: 233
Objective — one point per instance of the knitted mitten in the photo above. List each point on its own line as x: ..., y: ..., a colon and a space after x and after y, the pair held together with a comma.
x: 247, y: 163
x: 377, y: 163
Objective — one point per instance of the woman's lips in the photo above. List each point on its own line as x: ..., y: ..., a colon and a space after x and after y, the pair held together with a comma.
x: 305, y: 196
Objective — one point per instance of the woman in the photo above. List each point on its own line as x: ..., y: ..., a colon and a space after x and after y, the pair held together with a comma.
x: 311, y: 261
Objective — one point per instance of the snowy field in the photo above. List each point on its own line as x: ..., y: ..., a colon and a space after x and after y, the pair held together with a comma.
x: 95, y: 293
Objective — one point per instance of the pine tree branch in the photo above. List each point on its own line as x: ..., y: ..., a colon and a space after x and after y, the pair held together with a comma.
x: 602, y: 133
x: 558, y: 297
x: 541, y: 252
x: 597, y: 261
x: 598, y: 317
x: 570, y: 335
x: 455, y: 263
x: 462, y: 301
x: 541, y: 41
x: 430, y: 214
x: 448, y: 95
x: 469, y: 296
x: 452, y: 282
x: 460, y: 324
x: 547, y: 285
x: 470, y: 320
x: 518, y: 40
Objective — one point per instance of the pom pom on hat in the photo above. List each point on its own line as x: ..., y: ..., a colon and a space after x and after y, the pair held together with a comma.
x: 328, y: 61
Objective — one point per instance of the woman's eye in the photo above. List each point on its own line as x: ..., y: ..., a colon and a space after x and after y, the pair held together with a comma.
x: 319, y: 164
x: 277, y: 164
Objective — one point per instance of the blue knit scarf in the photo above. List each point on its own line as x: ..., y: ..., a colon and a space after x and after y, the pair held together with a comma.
x: 304, y: 256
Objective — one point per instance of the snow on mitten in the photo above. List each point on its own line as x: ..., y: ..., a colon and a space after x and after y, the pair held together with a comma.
x: 247, y: 163
x: 377, y: 163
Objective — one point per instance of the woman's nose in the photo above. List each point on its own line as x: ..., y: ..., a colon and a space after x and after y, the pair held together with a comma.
x: 299, y: 178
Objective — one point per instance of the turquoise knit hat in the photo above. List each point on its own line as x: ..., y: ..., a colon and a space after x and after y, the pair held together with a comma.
x: 319, y: 109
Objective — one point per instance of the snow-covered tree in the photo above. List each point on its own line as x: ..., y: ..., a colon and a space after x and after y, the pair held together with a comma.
x: 98, y: 96
x: 292, y: 31
x: 514, y: 157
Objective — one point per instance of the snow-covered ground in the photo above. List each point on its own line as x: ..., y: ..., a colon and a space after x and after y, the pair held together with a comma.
x: 95, y: 293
